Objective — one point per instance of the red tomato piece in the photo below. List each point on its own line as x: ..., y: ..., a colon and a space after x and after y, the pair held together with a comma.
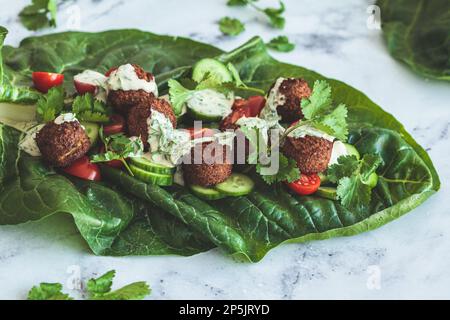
x: 83, y: 88
x: 43, y: 81
x: 255, y: 104
x: 117, y: 125
x: 203, y: 132
x: 84, y: 169
x: 307, y: 184
x: 110, y: 71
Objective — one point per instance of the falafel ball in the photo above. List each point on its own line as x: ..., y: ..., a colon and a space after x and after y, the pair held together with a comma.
x: 138, y: 115
x: 311, y: 153
x: 290, y: 92
x: 122, y: 100
x: 205, y: 174
x: 62, y: 144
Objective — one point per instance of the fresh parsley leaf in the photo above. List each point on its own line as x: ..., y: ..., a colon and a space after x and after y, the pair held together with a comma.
x: 275, y: 16
x: 48, y: 291
x: 231, y: 26
x: 50, y: 104
x: 321, y: 114
x: 133, y: 291
x: 281, y: 43
x: 288, y: 171
x: 102, y: 284
x: 352, y: 177
x: 87, y: 108
x: 39, y: 14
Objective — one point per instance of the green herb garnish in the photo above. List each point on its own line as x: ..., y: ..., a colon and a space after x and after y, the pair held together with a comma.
x: 87, y: 108
x: 50, y: 105
x: 39, y: 14
x: 231, y: 26
x: 281, y: 43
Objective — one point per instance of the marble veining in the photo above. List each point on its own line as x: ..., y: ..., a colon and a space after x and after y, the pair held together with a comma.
x: 408, y: 258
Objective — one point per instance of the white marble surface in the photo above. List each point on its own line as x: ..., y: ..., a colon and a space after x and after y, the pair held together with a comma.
x: 411, y: 254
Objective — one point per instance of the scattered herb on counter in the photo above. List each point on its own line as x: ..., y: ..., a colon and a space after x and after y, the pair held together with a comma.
x: 231, y: 26
x: 97, y: 288
x: 275, y: 15
x: 281, y: 43
x: 39, y: 14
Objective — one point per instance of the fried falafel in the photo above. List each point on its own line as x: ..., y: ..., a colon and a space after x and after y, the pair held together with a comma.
x: 312, y: 154
x: 62, y: 144
x: 206, y: 174
x: 123, y: 100
x: 138, y: 115
x: 287, y: 94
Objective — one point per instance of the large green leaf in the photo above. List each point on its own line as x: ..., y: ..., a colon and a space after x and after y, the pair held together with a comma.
x: 417, y: 32
x: 141, y: 219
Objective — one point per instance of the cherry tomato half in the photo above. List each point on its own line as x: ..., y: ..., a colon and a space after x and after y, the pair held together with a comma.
x: 117, y: 125
x: 43, y: 81
x: 246, y: 108
x: 203, y: 132
x: 255, y: 104
x: 307, y: 184
x: 84, y: 169
x: 110, y: 71
x: 83, y: 88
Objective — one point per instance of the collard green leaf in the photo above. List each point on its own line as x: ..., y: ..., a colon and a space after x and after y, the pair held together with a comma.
x: 123, y: 216
x: 417, y: 32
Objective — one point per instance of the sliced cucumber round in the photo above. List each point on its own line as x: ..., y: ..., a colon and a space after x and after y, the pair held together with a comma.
x: 351, y: 150
x: 206, y: 193
x: 151, y: 177
x: 327, y: 193
x: 199, y: 115
x: 91, y: 130
x: 150, y: 166
x: 213, y: 68
x: 237, y: 184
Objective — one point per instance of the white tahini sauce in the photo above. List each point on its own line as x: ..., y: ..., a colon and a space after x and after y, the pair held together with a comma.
x: 125, y: 78
x: 339, y: 150
x: 274, y: 99
x: 91, y: 77
x: 28, y: 143
x: 307, y: 130
x: 210, y: 102
x: 65, y: 117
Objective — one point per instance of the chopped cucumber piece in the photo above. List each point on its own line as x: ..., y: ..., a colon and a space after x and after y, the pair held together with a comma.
x: 236, y: 185
x: 148, y: 165
x: 91, y: 129
x: 206, y: 193
x: 151, y: 177
x: 213, y: 68
x: 198, y: 115
x: 352, y: 150
x: 327, y: 193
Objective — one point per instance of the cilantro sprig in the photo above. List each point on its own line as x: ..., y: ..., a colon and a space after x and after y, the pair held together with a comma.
x: 87, y: 108
x: 355, y: 179
x: 281, y: 43
x: 39, y: 14
x: 231, y: 26
x: 320, y: 113
x: 51, y: 104
x: 119, y: 147
x: 97, y: 289
x: 275, y: 15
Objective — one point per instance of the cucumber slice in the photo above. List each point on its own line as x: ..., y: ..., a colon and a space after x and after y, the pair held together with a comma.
x: 237, y: 184
x: 206, y: 193
x: 327, y: 193
x: 148, y: 165
x: 91, y: 130
x: 151, y: 177
x: 198, y: 115
x: 352, y: 150
x: 214, y: 68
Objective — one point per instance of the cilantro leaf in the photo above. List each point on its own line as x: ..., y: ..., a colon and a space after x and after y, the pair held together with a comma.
x: 50, y: 104
x: 275, y: 16
x: 102, y: 284
x: 39, y: 14
x: 321, y: 114
x: 353, y: 179
x: 179, y: 95
x: 233, y: 3
x: 288, y: 171
x: 231, y: 26
x: 87, y: 108
x: 133, y: 291
x: 48, y: 291
x: 281, y: 43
